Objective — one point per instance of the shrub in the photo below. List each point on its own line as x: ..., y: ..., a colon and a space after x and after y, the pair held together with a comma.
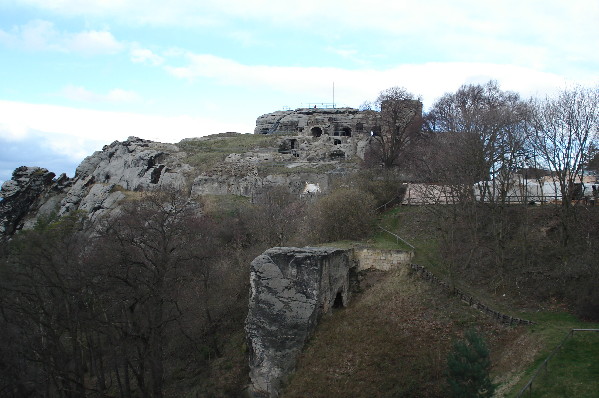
x: 344, y: 214
x: 468, y: 368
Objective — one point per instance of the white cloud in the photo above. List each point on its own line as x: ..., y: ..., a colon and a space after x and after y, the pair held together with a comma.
x: 552, y: 34
x: 431, y: 80
x: 78, y: 93
x: 144, y: 55
x: 93, y: 42
x: 17, y: 123
x: 40, y: 35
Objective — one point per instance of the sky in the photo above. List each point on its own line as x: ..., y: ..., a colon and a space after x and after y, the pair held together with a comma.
x: 76, y: 75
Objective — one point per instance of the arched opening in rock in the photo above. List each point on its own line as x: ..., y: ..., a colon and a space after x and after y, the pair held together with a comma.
x: 338, y: 303
x: 336, y: 142
x: 346, y: 132
x: 316, y: 132
x: 156, y: 173
x: 336, y: 154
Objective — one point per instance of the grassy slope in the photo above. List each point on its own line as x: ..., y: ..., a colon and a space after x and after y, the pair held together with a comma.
x: 207, y: 152
x: 393, y: 338
x: 574, y: 370
x: 391, y: 341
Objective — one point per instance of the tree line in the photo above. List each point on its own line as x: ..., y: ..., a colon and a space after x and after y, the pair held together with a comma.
x: 144, y: 302
x: 481, y: 143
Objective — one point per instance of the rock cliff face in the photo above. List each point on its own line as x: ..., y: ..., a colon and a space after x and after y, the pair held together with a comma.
x: 97, y: 186
x: 310, y: 146
x: 317, y: 121
x: 290, y: 289
x: 131, y: 165
x: 24, y: 193
x: 108, y: 176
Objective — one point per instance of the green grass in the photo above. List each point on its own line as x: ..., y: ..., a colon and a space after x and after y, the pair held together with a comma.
x: 207, y: 152
x: 574, y: 370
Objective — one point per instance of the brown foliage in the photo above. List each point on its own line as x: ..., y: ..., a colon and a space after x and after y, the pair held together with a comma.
x: 346, y: 213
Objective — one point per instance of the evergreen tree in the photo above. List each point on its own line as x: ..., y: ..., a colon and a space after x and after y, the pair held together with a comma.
x: 468, y: 368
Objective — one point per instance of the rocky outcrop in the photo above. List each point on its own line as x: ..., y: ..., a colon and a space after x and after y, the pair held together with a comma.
x: 290, y: 289
x: 132, y: 165
x: 317, y: 121
x: 252, y: 185
x: 98, y: 186
x: 26, y: 192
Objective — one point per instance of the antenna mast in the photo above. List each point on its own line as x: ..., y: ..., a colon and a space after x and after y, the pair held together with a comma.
x: 333, y: 95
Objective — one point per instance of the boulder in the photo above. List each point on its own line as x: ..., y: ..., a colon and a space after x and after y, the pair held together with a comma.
x: 290, y: 289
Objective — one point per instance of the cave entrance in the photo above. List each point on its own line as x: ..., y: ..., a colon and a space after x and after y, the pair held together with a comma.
x: 346, y: 132
x: 292, y: 143
x: 316, y: 132
x: 338, y: 303
x: 337, y: 142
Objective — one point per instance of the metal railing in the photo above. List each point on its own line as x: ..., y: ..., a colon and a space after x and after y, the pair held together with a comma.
x: 543, y: 365
x: 399, y: 239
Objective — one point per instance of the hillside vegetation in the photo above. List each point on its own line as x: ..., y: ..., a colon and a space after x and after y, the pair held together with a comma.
x: 150, y: 299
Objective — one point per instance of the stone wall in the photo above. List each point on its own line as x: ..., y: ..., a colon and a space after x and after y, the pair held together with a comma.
x: 383, y: 260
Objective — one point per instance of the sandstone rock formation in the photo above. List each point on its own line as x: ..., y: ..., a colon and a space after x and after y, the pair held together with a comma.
x: 97, y: 186
x: 131, y: 165
x: 290, y: 289
x: 22, y: 194
x: 342, y: 122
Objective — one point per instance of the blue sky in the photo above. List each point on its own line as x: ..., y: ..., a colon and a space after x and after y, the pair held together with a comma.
x: 78, y: 74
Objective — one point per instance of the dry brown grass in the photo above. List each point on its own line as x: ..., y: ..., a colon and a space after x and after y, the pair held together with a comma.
x: 392, y: 341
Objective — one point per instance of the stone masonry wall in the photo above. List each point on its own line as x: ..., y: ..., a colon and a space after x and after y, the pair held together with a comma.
x: 383, y: 260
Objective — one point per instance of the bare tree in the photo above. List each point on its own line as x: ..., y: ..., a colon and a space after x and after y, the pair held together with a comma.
x: 277, y: 216
x: 45, y: 304
x: 399, y: 125
x: 565, y: 135
x: 487, y: 132
x: 152, y: 256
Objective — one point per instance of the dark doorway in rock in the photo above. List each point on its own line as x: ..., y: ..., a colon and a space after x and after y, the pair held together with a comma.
x: 338, y: 303
x: 346, y: 132
x: 316, y: 132
x: 336, y: 154
x: 336, y: 142
x: 293, y: 143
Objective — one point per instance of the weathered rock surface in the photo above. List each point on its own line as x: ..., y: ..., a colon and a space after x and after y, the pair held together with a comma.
x: 23, y: 193
x: 316, y: 121
x: 252, y: 185
x: 133, y: 165
x: 290, y: 289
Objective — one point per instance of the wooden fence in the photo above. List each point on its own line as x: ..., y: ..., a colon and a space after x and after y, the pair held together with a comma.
x: 467, y: 298
x: 528, y: 386
x: 473, y: 302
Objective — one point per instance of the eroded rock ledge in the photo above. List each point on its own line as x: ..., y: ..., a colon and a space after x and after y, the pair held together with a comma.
x: 290, y: 288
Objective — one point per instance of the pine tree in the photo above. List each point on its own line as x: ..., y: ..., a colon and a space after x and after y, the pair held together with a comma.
x: 468, y: 368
